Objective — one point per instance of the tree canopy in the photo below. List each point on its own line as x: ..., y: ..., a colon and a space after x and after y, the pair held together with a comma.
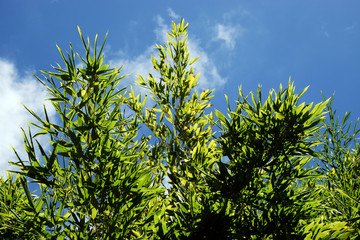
x: 164, y: 164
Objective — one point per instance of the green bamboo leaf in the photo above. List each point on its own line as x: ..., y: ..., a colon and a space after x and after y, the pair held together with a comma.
x: 27, y: 192
x: 279, y: 115
x: 193, y: 60
x: 93, y: 212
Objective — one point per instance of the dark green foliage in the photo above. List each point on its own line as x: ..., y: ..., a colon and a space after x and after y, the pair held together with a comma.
x: 103, y: 178
x: 268, y: 145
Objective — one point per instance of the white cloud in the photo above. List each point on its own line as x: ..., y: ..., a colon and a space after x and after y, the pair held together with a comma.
x: 350, y: 28
x: 16, y: 90
x: 209, y: 74
x: 324, y: 30
x: 161, y: 30
x: 133, y: 66
x: 228, y: 34
x: 173, y: 15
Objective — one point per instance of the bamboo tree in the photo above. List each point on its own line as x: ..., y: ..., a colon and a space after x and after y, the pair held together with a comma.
x: 340, y: 167
x: 184, y: 143
x: 93, y: 184
x: 268, y: 178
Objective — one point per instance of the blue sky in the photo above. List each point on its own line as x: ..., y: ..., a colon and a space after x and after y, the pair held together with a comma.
x: 239, y: 43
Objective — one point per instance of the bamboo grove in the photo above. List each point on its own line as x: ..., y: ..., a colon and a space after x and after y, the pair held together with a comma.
x: 162, y: 163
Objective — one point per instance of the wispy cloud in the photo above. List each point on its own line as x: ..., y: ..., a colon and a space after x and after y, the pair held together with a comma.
x: 229, y: 34
x: 351, y: 27
x: 173, y: 15
x: 209, y: 74
x: 16, y: 90
x: 325, y: 31
x: 210, y: 77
